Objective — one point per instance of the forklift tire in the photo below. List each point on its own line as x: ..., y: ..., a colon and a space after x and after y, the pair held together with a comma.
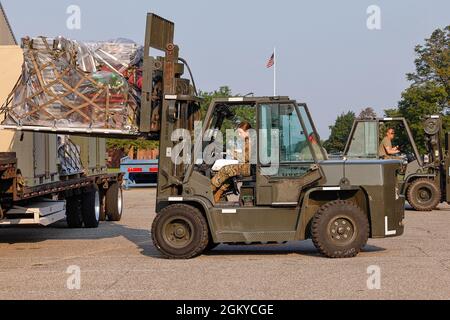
x: 73, y: 212
x: 423, y: 195
x: 114, y: 202
x: 340, y: 229
x: 180, y: 232
x: 90, y: 206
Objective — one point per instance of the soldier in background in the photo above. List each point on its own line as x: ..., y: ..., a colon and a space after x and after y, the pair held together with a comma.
x: 385, y: 150
x: 220, y: 183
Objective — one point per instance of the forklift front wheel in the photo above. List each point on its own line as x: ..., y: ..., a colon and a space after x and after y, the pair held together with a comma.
x: 340, y: 229
x: 180, y: 232
x: 423, y: 195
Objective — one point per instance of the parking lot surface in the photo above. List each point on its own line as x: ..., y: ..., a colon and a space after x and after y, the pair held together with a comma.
x: 119, y: 261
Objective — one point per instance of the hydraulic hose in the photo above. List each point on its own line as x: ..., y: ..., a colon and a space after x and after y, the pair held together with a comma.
x: 190, y: 73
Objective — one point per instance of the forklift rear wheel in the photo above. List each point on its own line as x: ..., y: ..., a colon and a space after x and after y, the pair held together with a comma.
x: 73, y: 212
x: 340, y: 229
x: 90, y: 205
x: 180, y: 232
x: 423, y: 195
x: 114, y: 202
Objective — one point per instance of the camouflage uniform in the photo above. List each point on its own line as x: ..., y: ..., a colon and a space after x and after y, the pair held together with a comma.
x: 221, y: 180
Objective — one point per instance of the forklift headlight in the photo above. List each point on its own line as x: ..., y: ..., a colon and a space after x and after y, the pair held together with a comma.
x: 426, y: 159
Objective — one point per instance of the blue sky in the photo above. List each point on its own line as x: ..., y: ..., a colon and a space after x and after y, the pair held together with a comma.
x: 327, y: 56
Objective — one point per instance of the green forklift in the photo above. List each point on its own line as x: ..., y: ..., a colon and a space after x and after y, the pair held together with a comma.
x: 423, y: 178
x: 293, y: 192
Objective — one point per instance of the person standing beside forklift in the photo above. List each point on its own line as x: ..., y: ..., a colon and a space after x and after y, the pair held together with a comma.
x: 385, y: 150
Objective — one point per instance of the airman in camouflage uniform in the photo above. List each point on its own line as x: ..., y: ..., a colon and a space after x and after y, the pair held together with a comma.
x: 220, y: 183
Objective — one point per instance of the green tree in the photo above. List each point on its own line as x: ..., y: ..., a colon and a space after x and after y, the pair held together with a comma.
x: 127, y: 145
x: 429, y: 91
x: 340, y: 132
x: 223, y: 92
x: 367, y: 113
x: 241, y: 113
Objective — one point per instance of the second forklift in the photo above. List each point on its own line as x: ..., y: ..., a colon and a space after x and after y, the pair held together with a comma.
x: 424, y: 178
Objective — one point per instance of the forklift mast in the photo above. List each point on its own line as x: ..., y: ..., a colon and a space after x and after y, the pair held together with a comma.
x: 433, y: 139
x: 169, y: 102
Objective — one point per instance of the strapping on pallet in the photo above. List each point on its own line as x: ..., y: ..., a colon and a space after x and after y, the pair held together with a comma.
x: 67, y: 84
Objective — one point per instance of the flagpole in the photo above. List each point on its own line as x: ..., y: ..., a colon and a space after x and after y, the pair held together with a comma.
x: 275, y: 71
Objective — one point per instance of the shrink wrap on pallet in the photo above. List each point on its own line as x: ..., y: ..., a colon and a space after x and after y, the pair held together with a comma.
x: 69, y: 84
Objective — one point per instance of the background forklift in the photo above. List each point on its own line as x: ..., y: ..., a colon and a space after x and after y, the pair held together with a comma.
x: 297, y: 196
x: 424, y: 178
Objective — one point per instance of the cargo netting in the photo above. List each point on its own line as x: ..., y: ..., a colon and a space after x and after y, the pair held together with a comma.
x: 69, y: 84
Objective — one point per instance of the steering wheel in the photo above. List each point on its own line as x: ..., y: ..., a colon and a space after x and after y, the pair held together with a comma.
x: 410, y: 157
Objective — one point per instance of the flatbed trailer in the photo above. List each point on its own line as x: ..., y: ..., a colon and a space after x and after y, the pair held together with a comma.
x: 86, y: 199
x: 139, y: 173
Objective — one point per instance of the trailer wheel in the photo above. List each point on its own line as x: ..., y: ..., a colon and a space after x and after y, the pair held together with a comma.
x: 90, y: 205
x: 423, y: 195
x: 180, y: 232
x: 340, y: 229
x: 114, y: 202
x: 73, y: 212
x: 102, y: 205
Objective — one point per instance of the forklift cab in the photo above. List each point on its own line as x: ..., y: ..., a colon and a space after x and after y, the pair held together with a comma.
x: 284, y: 149
x: 367, y: 135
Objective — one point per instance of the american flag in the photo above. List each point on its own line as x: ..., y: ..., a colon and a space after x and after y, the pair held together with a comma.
x: 271, y: 61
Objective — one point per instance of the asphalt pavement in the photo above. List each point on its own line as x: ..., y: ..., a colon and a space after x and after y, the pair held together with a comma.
x: 119, y: 261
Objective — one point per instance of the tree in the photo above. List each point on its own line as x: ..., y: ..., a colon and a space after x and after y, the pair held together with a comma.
x: 223, y: 92
x: 433, y: 61
x: 429, y: 92
x: 135, y: 145
x: 367, y: 113
x: 243, y: 113
x: 340, y: 132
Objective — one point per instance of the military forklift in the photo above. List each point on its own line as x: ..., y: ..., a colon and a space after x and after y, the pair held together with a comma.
x: 423, y: 179
x: 293, y: 193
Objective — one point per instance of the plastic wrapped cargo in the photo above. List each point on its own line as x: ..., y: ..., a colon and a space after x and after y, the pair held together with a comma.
x: 118, y: 55
x: 64, y: 84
